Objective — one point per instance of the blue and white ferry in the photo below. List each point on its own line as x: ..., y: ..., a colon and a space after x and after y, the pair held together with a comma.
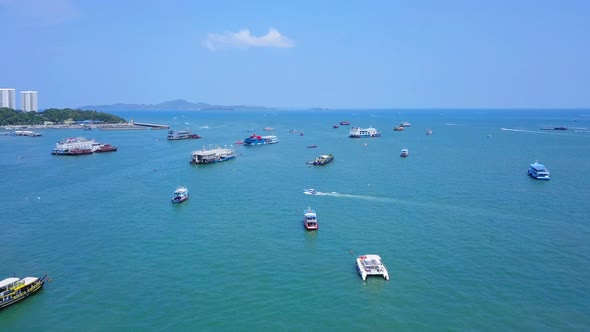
x: 358, y: 132
x: 538, y: 171
x: 260, y: 140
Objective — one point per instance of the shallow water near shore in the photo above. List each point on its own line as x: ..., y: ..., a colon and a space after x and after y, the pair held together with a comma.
x: 471, y: 242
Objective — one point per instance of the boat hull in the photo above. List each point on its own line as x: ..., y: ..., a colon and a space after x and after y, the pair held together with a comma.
x: 211, y: 161
x: 180, y: 200
x: 36, y: 286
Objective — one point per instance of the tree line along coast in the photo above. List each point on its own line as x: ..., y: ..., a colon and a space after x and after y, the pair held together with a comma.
x: 54, y: 116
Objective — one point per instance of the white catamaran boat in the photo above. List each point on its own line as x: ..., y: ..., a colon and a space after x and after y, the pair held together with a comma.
x: 371, y: 265
x: 538, y: 171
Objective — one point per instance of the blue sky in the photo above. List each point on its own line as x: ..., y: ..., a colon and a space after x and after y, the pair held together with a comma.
x: 335, y: 54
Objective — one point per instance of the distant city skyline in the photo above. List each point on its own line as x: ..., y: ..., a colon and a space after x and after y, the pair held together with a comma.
x: 328, y: 54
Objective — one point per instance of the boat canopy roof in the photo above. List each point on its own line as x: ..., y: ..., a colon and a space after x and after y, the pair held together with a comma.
x: 8, y: 281
x: 538, y: 167
x: 29, y: 280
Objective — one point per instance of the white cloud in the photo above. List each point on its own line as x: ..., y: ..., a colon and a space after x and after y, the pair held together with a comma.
x: 244, y: 39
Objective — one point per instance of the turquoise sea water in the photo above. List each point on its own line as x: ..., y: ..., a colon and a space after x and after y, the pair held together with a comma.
x: 470, y: 241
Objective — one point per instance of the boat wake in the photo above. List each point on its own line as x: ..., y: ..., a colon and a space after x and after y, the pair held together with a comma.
x: 546, y: 132
x: 341, y: 195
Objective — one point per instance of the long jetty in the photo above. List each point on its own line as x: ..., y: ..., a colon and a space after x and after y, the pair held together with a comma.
x: 152, y: 125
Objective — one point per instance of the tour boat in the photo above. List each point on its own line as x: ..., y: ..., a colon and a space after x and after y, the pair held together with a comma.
x: 322, y: 160
x: 357, y: 132
x: 310, y: 220
x: 260, y: 140
x: 371, y: 265
x: 180, y: 195
x: 106, y: 148
x: 212, y: 155
x: 181, y: 134
x: 538, y: 171
x: 404, y: 153
x: 26, y: 133
x: 15, y: 289
x: 80, y: 146
x: 310, y: 191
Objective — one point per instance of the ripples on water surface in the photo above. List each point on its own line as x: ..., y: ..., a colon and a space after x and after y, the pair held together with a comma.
x: 470, y: 241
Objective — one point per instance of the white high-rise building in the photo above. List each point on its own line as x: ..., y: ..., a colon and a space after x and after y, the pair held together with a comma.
x: 28, y: 101
x: 8, y: 98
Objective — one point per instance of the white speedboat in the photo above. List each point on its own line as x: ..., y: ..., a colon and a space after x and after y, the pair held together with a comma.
x: 538, y: 171
x: 310, y: 191
x: 371, y: 265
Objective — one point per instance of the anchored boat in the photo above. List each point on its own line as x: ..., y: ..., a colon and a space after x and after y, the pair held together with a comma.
x: 538, y: 171
x: 322, y: 160
x: 212, y: 155
x: 371, y: 265
x: 357, y: 132
x: 310, y: 220
x: 260, y: 140
x: 180, y: 195
x: 15, y: 289
x: 181, y: 134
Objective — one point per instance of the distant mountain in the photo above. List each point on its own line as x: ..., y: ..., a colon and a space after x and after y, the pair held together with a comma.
x: 178, y: 104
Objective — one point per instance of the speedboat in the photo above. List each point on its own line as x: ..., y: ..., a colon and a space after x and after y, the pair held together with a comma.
x: 404, y: 153
x: 371, y: 265
x: 180, y: 195
x: 310, y: 220
x: 312, y: 146
x: 538, y: 171
x: 310, y: 191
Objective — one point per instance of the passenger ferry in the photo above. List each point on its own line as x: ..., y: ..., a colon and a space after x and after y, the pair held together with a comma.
x: 181, y: 134
x: 357, y: 132
x: 310, y: 220
x: 371, y: 265
x: 180, y: 195
x: 79, y: 146
x: 15, y: 289
x: 538, y: 171
x: 322, y: 160
x: 212, y: 155
x: 260, y: 140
